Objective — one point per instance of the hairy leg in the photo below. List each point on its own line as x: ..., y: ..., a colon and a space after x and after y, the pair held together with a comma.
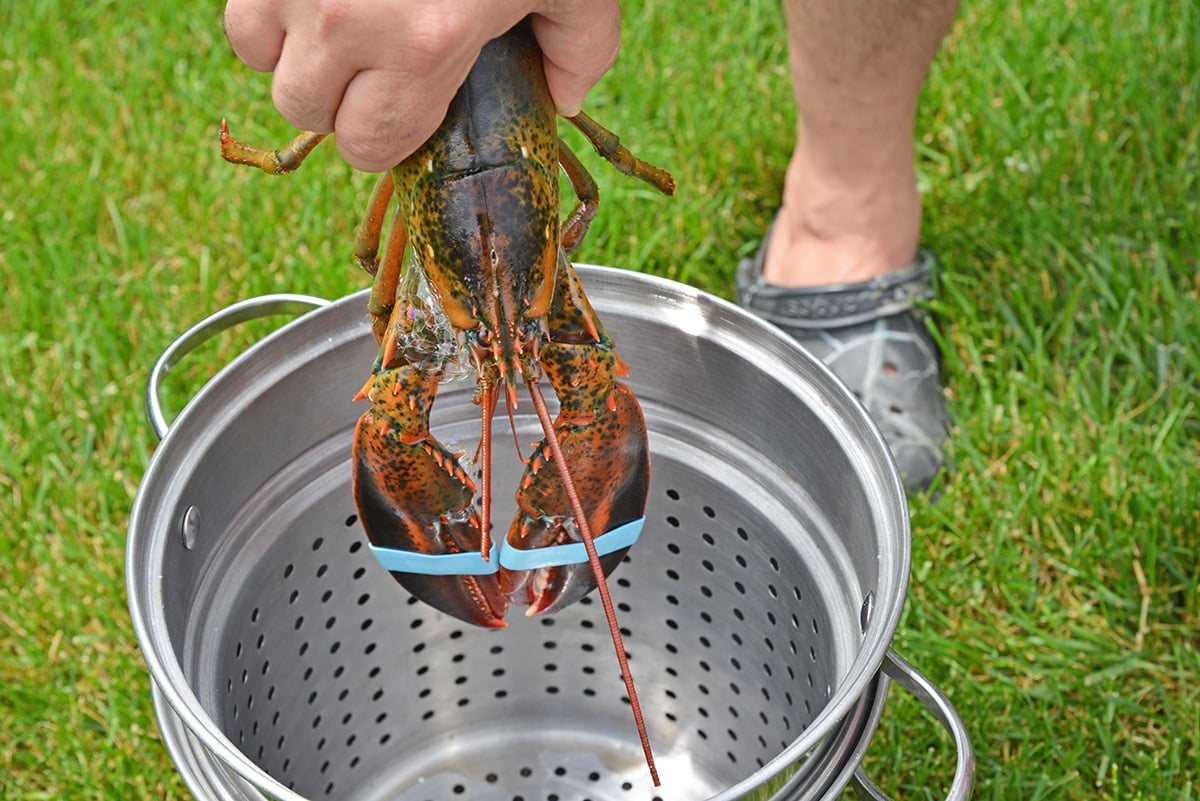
x: 850, y: 209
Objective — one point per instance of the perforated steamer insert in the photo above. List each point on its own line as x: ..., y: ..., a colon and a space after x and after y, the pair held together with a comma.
x: 757, y: 608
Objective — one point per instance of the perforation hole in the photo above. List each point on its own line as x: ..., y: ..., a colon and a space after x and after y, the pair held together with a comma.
x: 698, y: 608
x: 751, y: 718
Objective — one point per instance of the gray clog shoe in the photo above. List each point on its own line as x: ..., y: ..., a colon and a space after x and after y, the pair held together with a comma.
x: 873, y: 337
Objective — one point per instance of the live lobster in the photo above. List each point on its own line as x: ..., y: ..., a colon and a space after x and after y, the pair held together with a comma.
x: 478, y: 210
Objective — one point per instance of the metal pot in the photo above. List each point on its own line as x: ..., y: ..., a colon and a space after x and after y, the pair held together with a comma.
x: 759, y: 606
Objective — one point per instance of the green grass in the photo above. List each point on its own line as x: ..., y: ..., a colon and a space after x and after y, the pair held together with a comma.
x: 1054, y: 586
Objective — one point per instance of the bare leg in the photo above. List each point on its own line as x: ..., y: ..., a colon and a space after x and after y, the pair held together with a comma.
x: 841, y: 271
x: 850, y: 207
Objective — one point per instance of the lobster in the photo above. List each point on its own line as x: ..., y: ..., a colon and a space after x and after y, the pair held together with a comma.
x: 478, y: 212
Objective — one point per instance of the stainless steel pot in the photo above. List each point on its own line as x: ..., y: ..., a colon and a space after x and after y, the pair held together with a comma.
x: 759, y: 606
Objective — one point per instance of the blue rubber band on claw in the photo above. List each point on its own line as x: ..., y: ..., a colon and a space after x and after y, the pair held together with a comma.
x: 574, y: 553
x: 396, y: 560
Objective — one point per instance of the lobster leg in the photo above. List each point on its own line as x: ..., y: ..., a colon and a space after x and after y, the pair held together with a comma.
x: 273, y: 162
x: 366, y: 248
x: 609, y: 146
x: 587, y: 194
x: 386, y: 277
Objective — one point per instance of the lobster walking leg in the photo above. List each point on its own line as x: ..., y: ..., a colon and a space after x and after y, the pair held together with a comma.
x: 608, y: 146
x: 272, y: 162
x: 587, y: 193
x: 386, y: 280
x: 366, y: 249
x: 587, y: 199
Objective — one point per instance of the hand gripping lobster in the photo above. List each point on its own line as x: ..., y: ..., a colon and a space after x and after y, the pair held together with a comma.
x: 478, y: 211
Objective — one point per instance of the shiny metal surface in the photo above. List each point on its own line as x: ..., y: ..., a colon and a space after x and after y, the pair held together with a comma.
x: 757, y: 608
x: 908, y: 677
x: 206, y: 329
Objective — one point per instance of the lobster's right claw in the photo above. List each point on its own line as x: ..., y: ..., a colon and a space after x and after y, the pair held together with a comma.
x: 413, y: 497
x: 609, y: 463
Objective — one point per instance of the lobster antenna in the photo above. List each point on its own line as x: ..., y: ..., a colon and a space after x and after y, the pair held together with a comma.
x: 485, y: 477
x: 539, y: 404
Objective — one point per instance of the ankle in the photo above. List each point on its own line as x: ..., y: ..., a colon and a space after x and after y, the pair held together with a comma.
x: 835, y: 232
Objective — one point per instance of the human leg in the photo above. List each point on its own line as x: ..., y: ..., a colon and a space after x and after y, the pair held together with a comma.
x: 840, y: 269
x: 850, y: 205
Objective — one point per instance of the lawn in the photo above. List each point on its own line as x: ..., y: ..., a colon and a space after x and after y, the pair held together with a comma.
x: 1054, y: 584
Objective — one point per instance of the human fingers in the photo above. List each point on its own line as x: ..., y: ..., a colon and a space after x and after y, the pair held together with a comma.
x: 255, y: 31
x: 397, y: 100
x: 380, y: 73
x: 580, y: 40
x: 308, y: 45
x: 383, y: 118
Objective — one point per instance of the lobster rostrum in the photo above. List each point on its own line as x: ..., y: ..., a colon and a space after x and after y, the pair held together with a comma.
x: 478, y: 212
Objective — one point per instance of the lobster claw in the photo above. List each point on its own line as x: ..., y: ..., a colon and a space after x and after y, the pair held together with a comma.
x: 545, y: 588
x: 609, y: 463
x: 417, y: 505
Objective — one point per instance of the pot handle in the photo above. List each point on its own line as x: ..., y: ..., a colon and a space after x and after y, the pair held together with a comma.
x: 206, y: 329
x: 936, y: 702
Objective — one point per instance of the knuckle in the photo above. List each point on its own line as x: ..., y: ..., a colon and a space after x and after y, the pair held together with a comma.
x: 332, y: 16
x: 383, y: 139
x: 434, y: 39
x: 370, y: 148
x: 298, y: 107
x: 252, y: 39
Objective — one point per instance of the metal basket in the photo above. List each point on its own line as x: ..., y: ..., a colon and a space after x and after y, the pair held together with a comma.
x: 758, y: 609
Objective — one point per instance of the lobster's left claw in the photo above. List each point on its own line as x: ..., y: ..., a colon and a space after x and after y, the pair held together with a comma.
x: 609, y: 463
x: 547, y: 589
